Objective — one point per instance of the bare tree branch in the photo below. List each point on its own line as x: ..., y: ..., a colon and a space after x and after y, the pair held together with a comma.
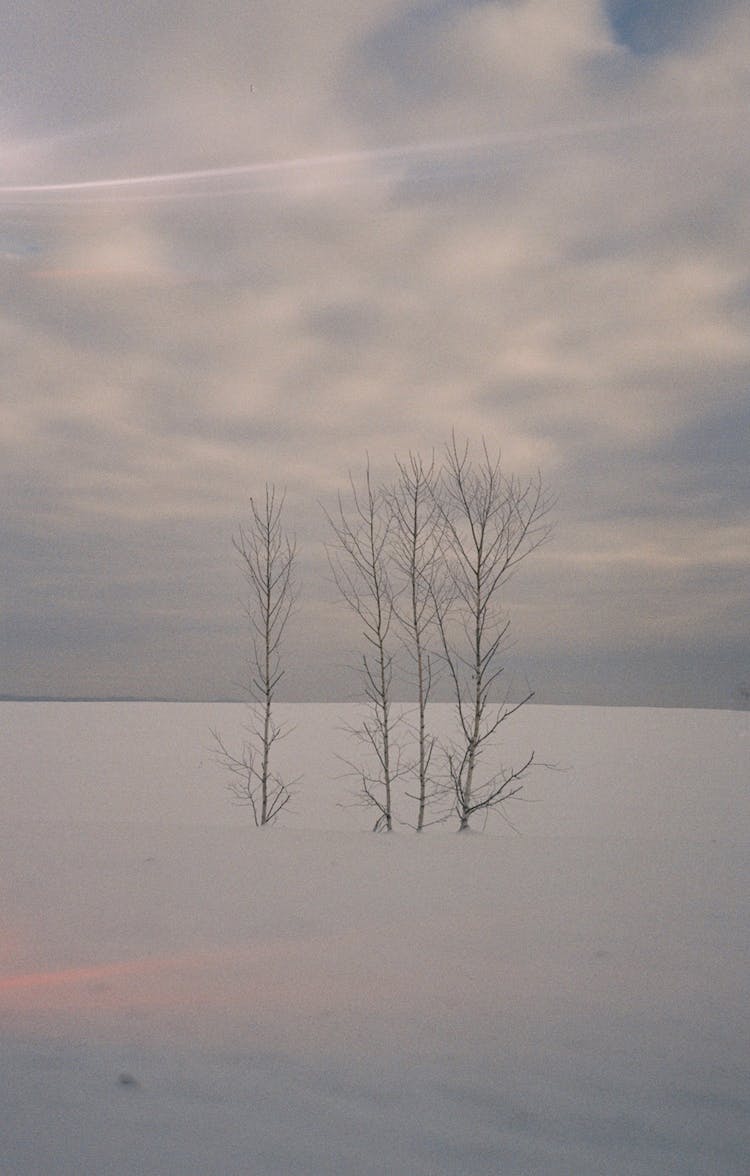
x: 415, y: 549
x: 267, y: 558
x: 491, y: 522
x: 358, y: 561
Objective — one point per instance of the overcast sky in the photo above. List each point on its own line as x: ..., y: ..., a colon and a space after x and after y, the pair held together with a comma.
x: 244, y: 241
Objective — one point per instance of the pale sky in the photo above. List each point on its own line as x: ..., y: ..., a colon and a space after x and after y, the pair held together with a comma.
x: 254, y: 241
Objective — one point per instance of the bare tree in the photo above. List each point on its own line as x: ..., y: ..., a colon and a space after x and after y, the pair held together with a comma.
x: 416, y: 533
x: 358, y: 561
x: 267, y: 556
x: 491, y: 523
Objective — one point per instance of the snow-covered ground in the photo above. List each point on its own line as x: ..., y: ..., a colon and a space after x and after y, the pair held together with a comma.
x: 183, y: 995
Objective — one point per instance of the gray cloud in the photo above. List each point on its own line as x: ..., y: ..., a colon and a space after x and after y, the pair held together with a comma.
x: 661, y: 26
x: 522, y: 220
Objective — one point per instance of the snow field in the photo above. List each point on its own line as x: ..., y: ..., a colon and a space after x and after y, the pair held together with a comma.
x: 567, y: 1001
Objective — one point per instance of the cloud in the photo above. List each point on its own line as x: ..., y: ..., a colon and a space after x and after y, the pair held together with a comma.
x: 522, y: 220
x: 657, y: 27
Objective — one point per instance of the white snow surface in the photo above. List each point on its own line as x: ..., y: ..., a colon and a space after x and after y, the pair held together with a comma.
x: 184, y: 995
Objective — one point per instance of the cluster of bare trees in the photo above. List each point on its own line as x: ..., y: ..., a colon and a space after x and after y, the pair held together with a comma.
x: 421, y: 563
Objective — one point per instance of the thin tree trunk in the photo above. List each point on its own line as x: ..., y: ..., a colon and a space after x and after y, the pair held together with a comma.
x: 491, y: 523
x: 268, y: 558
x: 358, y: 563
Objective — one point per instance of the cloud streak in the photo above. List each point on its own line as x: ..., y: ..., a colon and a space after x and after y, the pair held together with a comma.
x: 485, y: 146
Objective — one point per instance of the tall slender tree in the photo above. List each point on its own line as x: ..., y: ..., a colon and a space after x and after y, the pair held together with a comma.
x: 358, y: 558
x: 267, y: 558
x: 415, y: 549
x: 492, y: 521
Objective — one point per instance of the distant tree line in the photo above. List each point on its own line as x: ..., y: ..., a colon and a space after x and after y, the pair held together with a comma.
x: 421, y: 562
